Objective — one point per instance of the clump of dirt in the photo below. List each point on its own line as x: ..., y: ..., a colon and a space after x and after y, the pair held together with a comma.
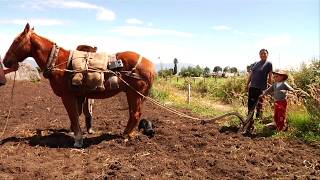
x: 37, y: 144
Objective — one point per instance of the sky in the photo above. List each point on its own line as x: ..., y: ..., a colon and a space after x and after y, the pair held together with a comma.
x: 206, y: 33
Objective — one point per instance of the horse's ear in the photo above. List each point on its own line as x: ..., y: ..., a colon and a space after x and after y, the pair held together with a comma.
x: 26, y: 29
x: 32, y: 28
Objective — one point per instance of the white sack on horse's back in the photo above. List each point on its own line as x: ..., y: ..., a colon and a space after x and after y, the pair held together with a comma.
x: 26, y: 72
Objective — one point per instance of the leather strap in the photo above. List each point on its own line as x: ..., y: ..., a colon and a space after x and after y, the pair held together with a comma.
x: 139, y: 61
x: 51, y: 61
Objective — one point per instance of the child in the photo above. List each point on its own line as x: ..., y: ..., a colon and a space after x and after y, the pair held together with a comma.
x: 279, y: 89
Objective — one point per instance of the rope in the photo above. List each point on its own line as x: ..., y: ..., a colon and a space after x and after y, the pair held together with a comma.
x: 203, y: 121
x: 81, y: 71
x: 11, y: 104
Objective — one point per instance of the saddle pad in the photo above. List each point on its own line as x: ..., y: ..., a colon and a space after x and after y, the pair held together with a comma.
x: 87, y: 60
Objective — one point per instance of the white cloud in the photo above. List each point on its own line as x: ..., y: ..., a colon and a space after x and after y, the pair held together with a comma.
x: 147, y: 31
x: 72, y: 4
x: 105, y: 14
x: 102, y: 12
x: 134, y: 21
x: 221, y: 28
x: 275, y: 41
x: 38, y: 22
x: 232, y: 30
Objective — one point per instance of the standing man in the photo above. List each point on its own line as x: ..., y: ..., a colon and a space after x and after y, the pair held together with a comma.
x: 88, y: 103
x: 259, y: 77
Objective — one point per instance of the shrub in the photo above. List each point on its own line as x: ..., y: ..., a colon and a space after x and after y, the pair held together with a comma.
x: 307, y: 79
x: 159, y: 94
x: 233, y: 89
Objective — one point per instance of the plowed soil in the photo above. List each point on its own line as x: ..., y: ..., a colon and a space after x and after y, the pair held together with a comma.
x: 37, y: 144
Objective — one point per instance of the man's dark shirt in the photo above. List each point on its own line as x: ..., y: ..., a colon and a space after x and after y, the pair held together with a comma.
x: 259, y: 74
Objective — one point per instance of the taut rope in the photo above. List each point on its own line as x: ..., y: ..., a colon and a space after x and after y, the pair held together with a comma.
x: 180, y: 113
x: 203, y: 121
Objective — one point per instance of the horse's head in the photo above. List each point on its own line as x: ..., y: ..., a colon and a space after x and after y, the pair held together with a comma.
x: 20, y: 48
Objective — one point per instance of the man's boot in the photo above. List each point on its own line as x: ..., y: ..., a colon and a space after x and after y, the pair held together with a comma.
x: 259, y: 114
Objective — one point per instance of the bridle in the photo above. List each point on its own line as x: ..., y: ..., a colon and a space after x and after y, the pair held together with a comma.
x: 21, y: 43
x: 51, y: 60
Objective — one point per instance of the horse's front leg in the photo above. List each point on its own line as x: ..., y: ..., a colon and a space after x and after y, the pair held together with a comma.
x: 134, y: 102
x: 71, y: 103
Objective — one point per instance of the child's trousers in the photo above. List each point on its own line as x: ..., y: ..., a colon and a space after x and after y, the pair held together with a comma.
x: 280, y: 114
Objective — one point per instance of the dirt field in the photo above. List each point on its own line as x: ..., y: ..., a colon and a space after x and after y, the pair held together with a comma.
x: 37, y: 145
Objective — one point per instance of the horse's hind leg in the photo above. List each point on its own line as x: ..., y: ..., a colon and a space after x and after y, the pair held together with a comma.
x: 134, y: 102
x: 87, y: 110
x: 71, y: 103
x: 80, y: 101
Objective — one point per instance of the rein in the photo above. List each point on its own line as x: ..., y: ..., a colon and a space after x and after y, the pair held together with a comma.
x: 11, y: 104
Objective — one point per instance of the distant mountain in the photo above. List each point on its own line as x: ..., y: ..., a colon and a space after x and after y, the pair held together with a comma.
x: 171, y: 65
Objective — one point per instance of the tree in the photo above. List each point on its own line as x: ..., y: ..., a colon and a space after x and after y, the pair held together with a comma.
x: 217, y: 69
x: 175, y: 69
x: 206, y: 71
x: 191, y: 71
x: 165, y: 72
x: 198, y: 71
x: 233, y: 70
x: 226, y: 69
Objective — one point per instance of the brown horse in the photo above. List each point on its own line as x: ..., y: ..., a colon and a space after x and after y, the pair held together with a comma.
x: 29, y: 44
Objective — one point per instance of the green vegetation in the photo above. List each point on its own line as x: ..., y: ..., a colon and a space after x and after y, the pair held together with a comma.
x: 214, y: 96
x: 308, y: 80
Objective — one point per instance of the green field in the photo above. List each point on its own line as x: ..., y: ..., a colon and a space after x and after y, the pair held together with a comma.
x: 214, y: 96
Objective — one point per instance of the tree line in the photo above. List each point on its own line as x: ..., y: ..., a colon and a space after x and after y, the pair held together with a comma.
x: 196, y: 71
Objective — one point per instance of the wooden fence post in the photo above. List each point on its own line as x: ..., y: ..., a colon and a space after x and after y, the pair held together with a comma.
x: 189, y: 93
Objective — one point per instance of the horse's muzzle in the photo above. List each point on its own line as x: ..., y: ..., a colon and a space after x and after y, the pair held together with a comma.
x: 7, y: 64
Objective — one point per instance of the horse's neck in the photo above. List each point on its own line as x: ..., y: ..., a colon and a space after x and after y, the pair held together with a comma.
x: 41, y: 50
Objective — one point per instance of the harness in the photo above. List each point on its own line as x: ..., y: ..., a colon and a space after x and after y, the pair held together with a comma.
x: 51, y: 65
x: 138, y: 63
x: 51, y: 61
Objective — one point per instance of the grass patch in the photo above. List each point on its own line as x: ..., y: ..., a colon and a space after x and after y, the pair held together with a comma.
x: 160, y: 95
x: 302, y: 126
x: 207, y: 97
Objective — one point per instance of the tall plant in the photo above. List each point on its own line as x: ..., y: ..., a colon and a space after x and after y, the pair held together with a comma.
x: 308, y: 80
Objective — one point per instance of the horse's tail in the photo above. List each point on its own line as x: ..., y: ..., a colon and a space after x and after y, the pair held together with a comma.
x: 149, y: 73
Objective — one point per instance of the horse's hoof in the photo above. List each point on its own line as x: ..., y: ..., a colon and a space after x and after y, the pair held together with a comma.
x: 78, y: 144
x: 131, y: 135
x: 91, y: 131
x: 78, y: 141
